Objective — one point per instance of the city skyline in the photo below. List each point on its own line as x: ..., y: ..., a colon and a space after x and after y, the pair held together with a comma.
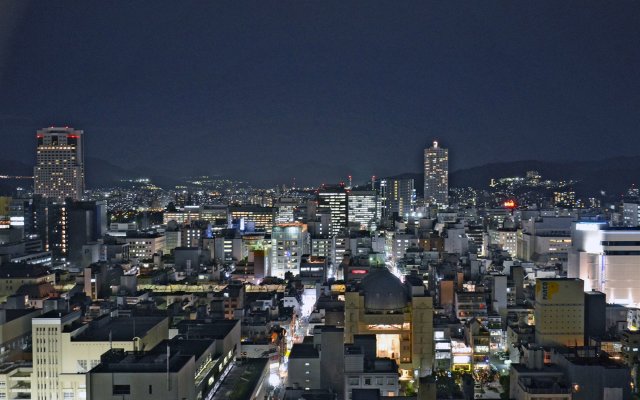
x: 317, y: 200
x: 359, y: 85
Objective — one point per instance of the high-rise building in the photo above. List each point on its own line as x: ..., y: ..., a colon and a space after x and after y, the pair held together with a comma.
x: 436, y: 175
x: 334, y: 200
x: 399, y: 196
x: 607, y: 259
x: 364, y: 209
x: 59, y: 170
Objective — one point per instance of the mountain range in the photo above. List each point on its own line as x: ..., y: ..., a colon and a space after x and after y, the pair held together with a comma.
x: 612, y: 175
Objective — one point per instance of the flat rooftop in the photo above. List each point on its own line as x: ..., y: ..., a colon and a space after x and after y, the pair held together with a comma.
x: 131, y: 362
x: 118, y: 329
x: 203, y: 329
x: 303, y: 350
x: 242, y: 380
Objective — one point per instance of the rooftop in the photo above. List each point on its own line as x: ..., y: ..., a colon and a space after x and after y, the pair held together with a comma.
x: 23, y: 270
x: 117, y: 329
x: 117, y: 360
x: 212, y: 329
x: 303, y: 350
x: 242, y: 380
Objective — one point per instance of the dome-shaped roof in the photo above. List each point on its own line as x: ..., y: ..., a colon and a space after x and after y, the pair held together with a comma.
x: 383, y: 291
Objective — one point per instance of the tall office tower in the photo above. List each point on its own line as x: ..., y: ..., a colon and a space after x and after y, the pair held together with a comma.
x: 334, y: 200
x: 399, y: 196
x: 59, y: 170
x: 436, y: 175
x: 559, y: 312
x: 364, y: 209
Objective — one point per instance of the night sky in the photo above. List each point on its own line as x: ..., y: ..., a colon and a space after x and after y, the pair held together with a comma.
x: 320, y: 89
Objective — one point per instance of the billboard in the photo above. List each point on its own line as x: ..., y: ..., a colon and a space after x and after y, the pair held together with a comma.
x: 547, y: 289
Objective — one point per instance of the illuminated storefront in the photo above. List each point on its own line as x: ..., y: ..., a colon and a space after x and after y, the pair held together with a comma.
x: 461, y: 356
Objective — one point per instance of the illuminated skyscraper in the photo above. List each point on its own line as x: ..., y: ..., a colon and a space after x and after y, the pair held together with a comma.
x: 399, y: 196
x: 436, y: 175
x: 364, y: 209
x: 334, y: 200
x: 59, y: 170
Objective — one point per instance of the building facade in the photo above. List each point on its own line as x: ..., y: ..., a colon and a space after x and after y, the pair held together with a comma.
x: 559, y: 312
x: 399, y: 315
x: 436, y: 175
x: 334, y: 200
x: 59, y: 170
x: 607, y: 259
x: 364, y: 209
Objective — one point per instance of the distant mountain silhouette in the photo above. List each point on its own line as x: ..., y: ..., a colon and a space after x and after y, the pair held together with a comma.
x: 613, y: 175
x: 17, y: 168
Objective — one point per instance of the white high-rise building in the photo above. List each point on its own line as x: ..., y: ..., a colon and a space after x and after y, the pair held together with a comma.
x: 59, y: 170
x: 607, y: 259
x: 436, y: 175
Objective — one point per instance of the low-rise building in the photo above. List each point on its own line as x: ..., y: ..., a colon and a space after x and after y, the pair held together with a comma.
x: 178, y: 368
x: 65, y: 348
x: 304, y: 367
x: 363, y: 373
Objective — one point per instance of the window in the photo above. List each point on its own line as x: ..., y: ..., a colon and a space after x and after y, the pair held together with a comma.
x: 121, y: 389
x: 354, y: 380
x: 367, y: 381
x: 150, y: 389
